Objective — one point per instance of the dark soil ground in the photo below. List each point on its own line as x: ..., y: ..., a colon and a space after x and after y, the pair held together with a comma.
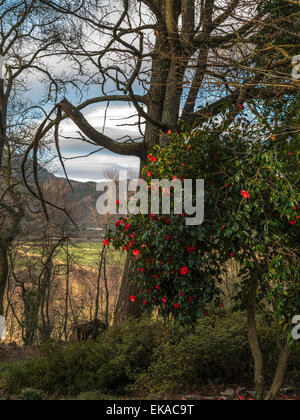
x: 13, y: 353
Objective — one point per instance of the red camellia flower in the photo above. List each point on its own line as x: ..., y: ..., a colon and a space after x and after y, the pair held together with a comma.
x: 168, y: 238
x: 294, y: 208
x: 227, y: 186
x: 191, y: 299
x: 181, y: 294
x: 149, y: 173
x: 142, y: 270
x: 167, y: 221
x: 176, y: 305
x: 152, y: 158
x: 133, y: 299
x: 106, y: 242
x: 157, y: 287
x: 232, y: 255
x: 191, y: 248
x: 245, y: 194
x: 223, y: 227
x: 293, y: 222
x: 152, y: 217
x: 136, y: 253
x: 184, y: 271
x: 164, y: 300
x: 241, y: 106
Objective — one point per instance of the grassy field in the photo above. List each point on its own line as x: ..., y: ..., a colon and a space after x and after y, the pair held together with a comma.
x: 84, y: 254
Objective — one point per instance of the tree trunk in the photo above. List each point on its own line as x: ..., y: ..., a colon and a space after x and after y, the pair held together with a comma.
x: 253, y: 340
x: 4, y: 268
x: 2, y: 121
x: 281, y: 369
x: 67, y: 295
x: 157, y: 92
x: 125, y: 308
x: 173, y: 95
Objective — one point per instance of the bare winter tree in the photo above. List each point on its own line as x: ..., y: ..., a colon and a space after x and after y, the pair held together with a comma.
x: 25, y: 46
x: 173, y: 61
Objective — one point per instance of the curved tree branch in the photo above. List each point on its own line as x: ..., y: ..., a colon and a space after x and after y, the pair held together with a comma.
x: 134, y: 149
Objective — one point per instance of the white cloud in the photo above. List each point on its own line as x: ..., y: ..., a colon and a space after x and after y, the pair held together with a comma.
x: 92, y: 168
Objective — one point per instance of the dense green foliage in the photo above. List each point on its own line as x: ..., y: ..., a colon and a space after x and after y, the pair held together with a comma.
x: 109, y: 365
x: 145, y: 358
x: 30, y: 395
x: 218, y: 351
x: 251, y: 215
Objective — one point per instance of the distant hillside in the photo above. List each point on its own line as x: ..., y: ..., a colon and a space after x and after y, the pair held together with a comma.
x: 80, y: 201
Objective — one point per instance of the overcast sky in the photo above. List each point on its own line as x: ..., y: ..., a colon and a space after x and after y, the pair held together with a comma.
x: 92, y: 168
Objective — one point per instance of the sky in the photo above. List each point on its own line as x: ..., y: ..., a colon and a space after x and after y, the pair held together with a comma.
x: 92, y: 168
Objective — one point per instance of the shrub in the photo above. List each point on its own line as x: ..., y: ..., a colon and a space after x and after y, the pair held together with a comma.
x: 144, y: 358
x: 93, y: 396
x: 107, y: 365
x: 30, y: 395
x: 251, y: 202
x: 218, y: 351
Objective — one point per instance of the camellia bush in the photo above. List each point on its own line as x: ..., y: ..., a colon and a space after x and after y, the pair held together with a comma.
x: 251, y: 215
